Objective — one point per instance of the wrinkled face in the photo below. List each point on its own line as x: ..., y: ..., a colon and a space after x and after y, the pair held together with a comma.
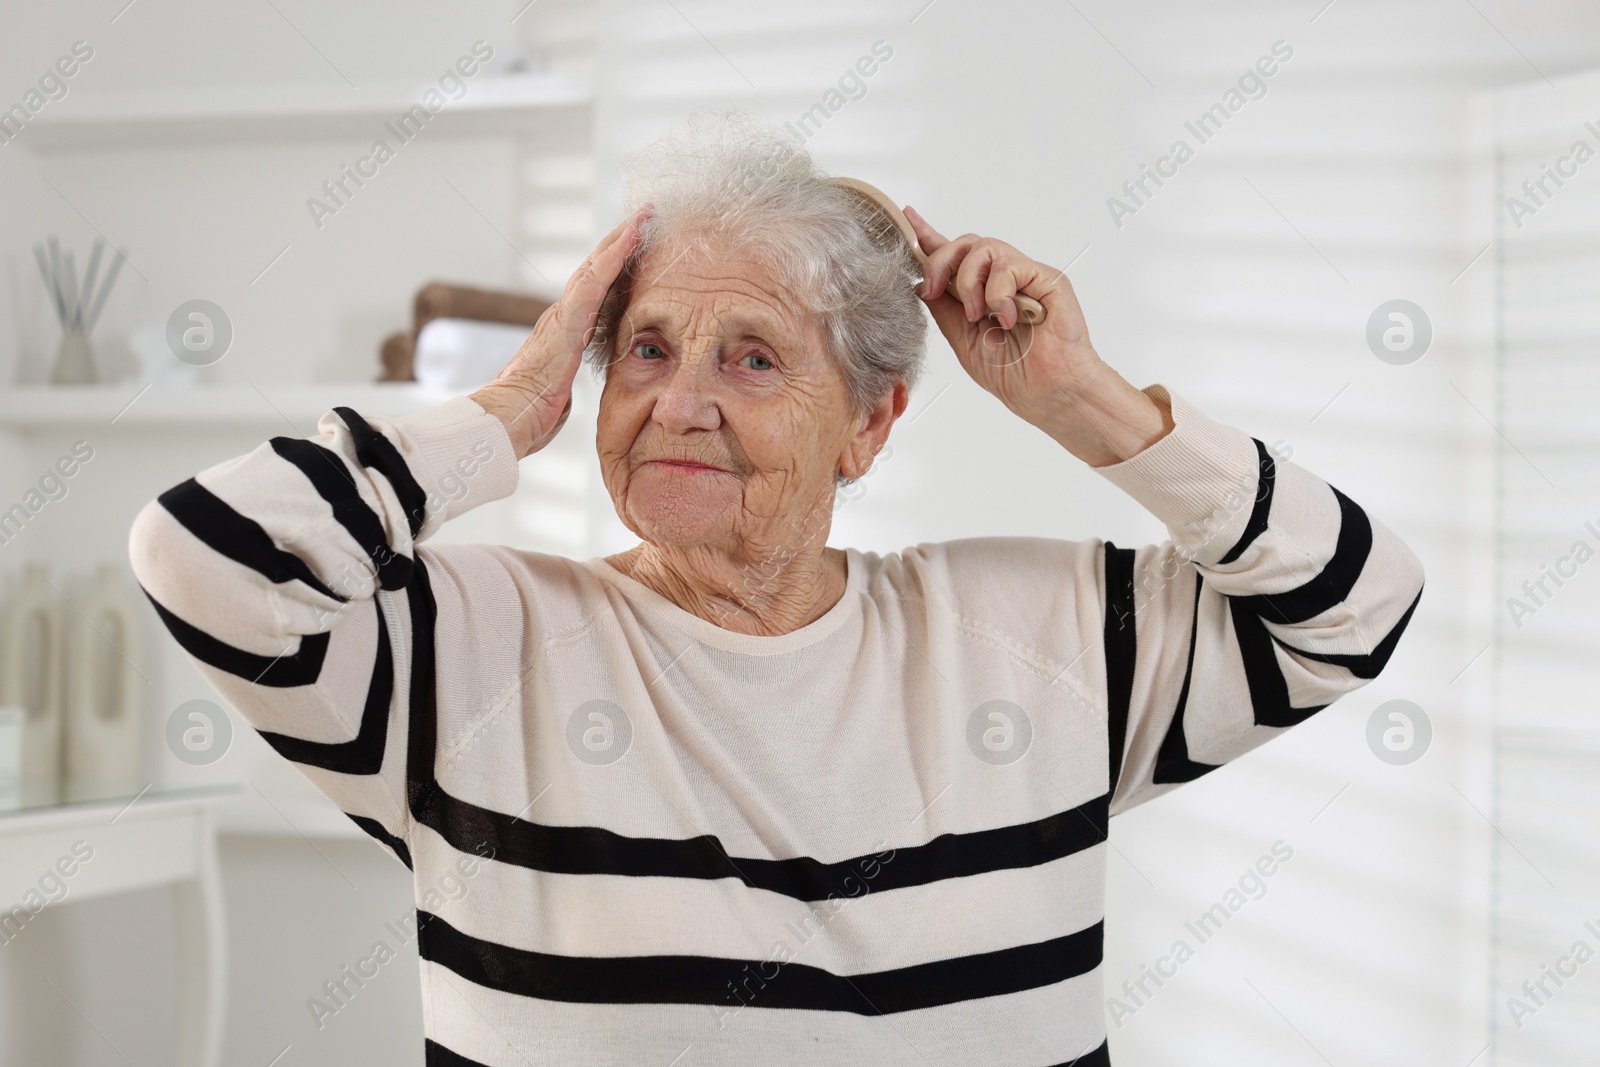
x: 723, y: 418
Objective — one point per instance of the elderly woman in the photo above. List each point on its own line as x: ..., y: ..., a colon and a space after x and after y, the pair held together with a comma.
x: 735, y: 795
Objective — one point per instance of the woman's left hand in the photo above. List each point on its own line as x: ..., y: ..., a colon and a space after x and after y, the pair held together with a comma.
x: 1025, y: 366
x: 1047, y: 374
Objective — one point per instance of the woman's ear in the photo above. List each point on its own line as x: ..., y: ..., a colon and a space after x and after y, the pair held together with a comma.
x: 872, y: 430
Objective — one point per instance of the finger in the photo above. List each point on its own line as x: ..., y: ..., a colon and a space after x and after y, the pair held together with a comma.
x: 603, y: 265
x: 576, y: 314
x: 929, y: 238
x: 999, y: 294
x: 972, y: 277
x: 942, y: 265
x: 1014, y: 275
x: 951, y: 318
x: 634, y: 220
x: 586, y: 269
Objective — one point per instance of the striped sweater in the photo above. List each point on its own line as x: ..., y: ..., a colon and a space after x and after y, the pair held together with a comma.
x: 880, y: 838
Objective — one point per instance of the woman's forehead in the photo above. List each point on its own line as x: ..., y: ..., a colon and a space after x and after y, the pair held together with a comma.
x: 675, y: 285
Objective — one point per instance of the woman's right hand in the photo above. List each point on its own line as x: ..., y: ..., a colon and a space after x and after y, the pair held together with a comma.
x: 532, y: 395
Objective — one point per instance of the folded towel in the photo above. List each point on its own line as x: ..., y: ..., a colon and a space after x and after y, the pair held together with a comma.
x: 464, y: 353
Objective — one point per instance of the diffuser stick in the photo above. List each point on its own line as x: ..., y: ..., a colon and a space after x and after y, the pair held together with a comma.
x: 55, y: 278
x: 105, y: 290
x: 50, y: 283
x: 88, y: 281
x: 74, y: 320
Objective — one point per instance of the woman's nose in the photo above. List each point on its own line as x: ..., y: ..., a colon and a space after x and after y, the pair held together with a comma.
x: 687, y: 399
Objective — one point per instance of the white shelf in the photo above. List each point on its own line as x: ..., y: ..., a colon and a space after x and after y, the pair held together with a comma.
x: 492, y: 105
x: 275, y: 408
x: 250, y: 814
x: 1549, y: 740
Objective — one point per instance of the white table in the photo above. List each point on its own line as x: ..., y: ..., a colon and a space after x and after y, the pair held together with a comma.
x: 166, y: 838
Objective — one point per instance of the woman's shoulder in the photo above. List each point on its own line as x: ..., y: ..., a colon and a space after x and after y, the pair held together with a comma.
x: 1017, y: 575
x: 556, y: 590
x: 1037, y: 597
x: 975, y: 560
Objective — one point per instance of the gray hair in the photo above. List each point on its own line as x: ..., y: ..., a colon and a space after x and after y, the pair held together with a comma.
x: 731, y: 182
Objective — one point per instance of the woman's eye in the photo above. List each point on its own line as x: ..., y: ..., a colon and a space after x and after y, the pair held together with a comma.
x: 758, y: 362
x: 648, y: 350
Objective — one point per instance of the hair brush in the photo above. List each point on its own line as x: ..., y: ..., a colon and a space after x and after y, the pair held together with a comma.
x: 1029, y: 310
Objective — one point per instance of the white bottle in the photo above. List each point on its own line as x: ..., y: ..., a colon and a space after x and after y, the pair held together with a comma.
x: 12, y: 718
x: 103, y: 689
x: 30, y: 678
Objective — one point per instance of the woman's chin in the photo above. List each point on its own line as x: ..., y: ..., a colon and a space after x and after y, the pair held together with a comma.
x: 680, y: 516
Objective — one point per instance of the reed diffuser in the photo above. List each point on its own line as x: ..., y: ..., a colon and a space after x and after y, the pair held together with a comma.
x: 77, y: 305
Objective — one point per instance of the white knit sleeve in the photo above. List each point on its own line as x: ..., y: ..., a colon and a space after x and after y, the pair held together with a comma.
x: 289, y: 574
x: 1276, y: 595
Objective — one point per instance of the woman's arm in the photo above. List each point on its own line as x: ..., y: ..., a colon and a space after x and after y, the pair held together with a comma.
x: 1276, y: 594
x: 284, y: 575
x: 291, y: 575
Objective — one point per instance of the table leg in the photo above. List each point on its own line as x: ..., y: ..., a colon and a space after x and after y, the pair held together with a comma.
x: 202, y: 954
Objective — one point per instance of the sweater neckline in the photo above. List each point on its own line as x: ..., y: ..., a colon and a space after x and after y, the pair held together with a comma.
x: 647, y: 600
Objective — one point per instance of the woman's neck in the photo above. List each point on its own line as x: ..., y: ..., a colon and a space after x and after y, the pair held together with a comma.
x: 768, y: 591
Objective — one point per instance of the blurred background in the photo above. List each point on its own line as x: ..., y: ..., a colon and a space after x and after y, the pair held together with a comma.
x: 1383, y: 256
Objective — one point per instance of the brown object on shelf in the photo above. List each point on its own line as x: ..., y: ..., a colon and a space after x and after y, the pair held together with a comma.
x: 439, y: 300
x: 395, y: 355
x: 436, y: 300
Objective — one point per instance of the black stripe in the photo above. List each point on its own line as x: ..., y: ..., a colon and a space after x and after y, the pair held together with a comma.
x: 1100, y: 1057
x: 422, y: 723
x: 759, y: 983
x: 1172, y: 760
x: 1331, y: 586
x: 1122, y: 648
x: 1368, y: 666
x: 241, y: 539
x: 375, y: 450
x: 1263, y: 506
x: 1269, y: 690
x: 592, y: 850
x: 333, y: 481
x: 375, y: 829
x: 280, y: 672
x: 436, y: 1055
x: 362, y: 754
